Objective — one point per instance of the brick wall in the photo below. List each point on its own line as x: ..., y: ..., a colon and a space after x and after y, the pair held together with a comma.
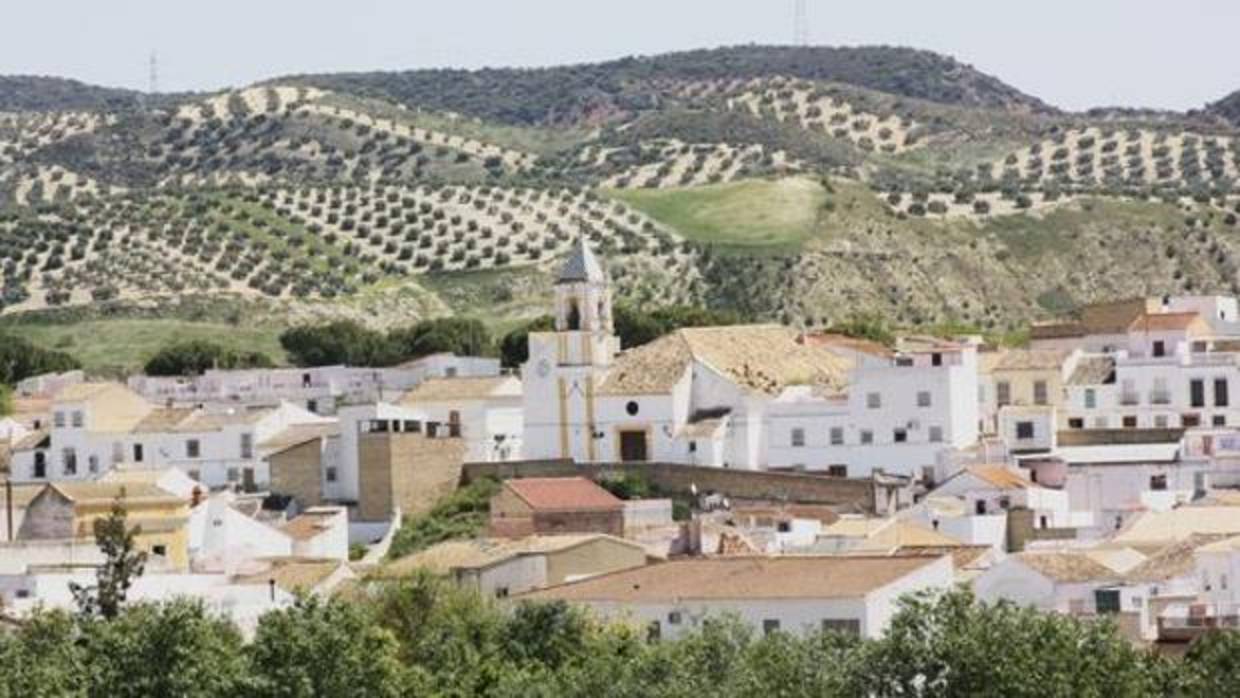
x: 405, y: 470
x: 296, y: 472
x: 673, y: 477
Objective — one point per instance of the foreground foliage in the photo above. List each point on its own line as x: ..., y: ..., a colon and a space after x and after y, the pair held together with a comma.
x: 419, y: 636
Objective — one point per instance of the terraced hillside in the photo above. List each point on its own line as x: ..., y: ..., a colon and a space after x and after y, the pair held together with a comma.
x: 811, y: 186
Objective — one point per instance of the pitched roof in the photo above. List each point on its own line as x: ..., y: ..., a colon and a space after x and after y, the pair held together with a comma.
x: 484, y: 552
x: 1180, y: 523
x: 581, y: 265
x: 999, y: 476
x: 886, y: 534
x: 292, y: 574
x: 82, y: 392
x: 1174, y: 560
x: 562, y: 494
x: 763, y: 358
x: 742, y: 577
x: 162, y: 419
x: 310, y: 523
x: 1030, y: 360
x: 834, y: 340
x: 94, y: 492
x: 461, y: 388
x: 1067, y: 567
x: 1112, y: 317
x: 216, y: 421
x: 1093, y: 370
x: 298, y: 434
x: 1167, y: 322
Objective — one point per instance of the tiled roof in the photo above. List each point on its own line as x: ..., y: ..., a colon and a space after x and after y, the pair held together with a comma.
x: 93, y: 492
x: 484, y: 552
x: 1093, y: 370
x: 1055, y: 330
x: 1167, y: 322
x: 1030, y: 360
x: 763, y: 358
x: 162, y: 419
x: 999, y: 476
x: 294, y: 575
x: 309, y: 524
x: 82, y: 392
x: 1174, y: 560
x: 462, y: 388
x: 1067, y: 567
x: 297, y: 434
x: 581, y: 265
x: 1180, y: 523
x: 32, y: 440
x: 741, y: 577
x: 831, y: 340
x: 215, y: 421
x: 1113, y: 317
x: 563, y: 494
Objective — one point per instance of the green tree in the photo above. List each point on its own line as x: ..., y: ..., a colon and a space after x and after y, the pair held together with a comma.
x: 325, y: 648
x: 123, y: 563
x: 460, y: 336
x: 41, y: 659
x: 1212, y: 665
x: 6, y: 400
x: 514, y: 347
x: 194, y: 357
x: 339, y: 342
x: 19, y: 359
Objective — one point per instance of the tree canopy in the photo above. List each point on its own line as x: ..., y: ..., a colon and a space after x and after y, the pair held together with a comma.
x: 194, y: 357
x: 348, y: 342
x: 19, y: 359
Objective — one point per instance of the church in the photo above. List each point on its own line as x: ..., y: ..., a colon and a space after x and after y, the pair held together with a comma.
x: 758, y: 396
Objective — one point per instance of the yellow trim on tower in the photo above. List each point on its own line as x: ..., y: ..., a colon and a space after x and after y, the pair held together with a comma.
x: 563, y: 390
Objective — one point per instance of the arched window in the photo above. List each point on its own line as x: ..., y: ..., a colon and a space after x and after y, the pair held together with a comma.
x: 574, y: 316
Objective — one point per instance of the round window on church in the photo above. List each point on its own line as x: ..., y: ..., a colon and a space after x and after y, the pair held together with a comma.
x: 631, y: 408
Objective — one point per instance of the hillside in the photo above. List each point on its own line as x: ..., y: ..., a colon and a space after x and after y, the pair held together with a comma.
x: 807, y: 185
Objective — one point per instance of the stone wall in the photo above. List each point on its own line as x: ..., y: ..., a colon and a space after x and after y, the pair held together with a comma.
x: 676, y: 478
x: 296, y: 472
x: 405, y: 470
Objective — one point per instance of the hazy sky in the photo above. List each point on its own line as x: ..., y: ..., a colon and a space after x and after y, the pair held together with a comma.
x: 1074, y: 54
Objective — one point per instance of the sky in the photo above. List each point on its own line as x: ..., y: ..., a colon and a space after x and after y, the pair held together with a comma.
x: 1073, y: 54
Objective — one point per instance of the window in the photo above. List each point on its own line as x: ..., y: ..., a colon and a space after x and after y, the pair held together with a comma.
x: 59, y: 419
x: 40, y: 464
x: 92, y: 463
x: 1160, y: 421
x: 1160, y: 348
x: 1039, y: 393
x: 1197, y: 393
x: 837, y: 436
x: 195, y: 475
x: 837, y: 470
x: 979, y: 507
x: 1219, y: 420
x: 1091, y: 398
x: 673, y: 618
x: 1220, y: 392
x: 193, y: 449
x: 1042, y: 522
x: 846, y: 626
x: 233, y: 475
x: 69, y: 460
x: 305, y: 380
x: 1024, y: 430
x: 312, y: 406
x: 247, y: 445
x: 1106, y: 601
x: 923, y: 398
x: 1003, y: 393
x: 160, y: 550
x: 77, y: 419
x: 936, y: 359
x: 1190, y: 420
x: 1076, y: 423
x: 899, y: 435
x: 501, y: 592
x: 450, y: 372
x: 1005, y: 503
x: 137, y: 453
x: 770, y: 625
x: 867, y: 436
x: 1130, y: 421
x: 1158, y: 483
x: 330, y: 473
x: 936, y: 435
x: 798, y: 437
x: 873, y: 400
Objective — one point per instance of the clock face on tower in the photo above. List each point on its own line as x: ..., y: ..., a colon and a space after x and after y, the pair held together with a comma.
x: 544, y: 368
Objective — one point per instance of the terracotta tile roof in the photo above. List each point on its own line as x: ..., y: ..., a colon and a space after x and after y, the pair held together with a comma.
x: 999, y: 476
x: 1056, y: 330
x: 741, y: 577
x: 23, y: 493
x: 309, y: 524
x: 1112, y: 317
x: 95, y: 492
x: 563, y: 494
x: 1067, y: 567
x: 1180, y: 523
x: 83, y: 392
x: 484, y: 552
x: 1168, y: 322
x: 763, y: 358
x: 1093, y: 370
x: 162, y: 419
x: 842, y: 341
x: 215, y: 421
x: 462, y: 388
x: 298, y: 434
x: 32, y: 440
x: 292, y: 574
x: 1030, y: 360
x: 1174, y: 560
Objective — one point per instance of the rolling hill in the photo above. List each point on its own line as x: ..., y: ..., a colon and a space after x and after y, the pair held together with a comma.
x: 806, y: 185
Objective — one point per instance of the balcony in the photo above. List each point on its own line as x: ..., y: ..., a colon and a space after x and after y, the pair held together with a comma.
x: 1129, y: 399
x: 1160, y: 397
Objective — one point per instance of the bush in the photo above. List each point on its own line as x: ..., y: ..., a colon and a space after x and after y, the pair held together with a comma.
x: 195, y: 357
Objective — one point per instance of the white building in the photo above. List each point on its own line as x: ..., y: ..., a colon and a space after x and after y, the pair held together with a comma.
x: 1057, y: 581
x: 319, y: 389
x: 96, y: 426
x: 747, y: 396
x: 486, y: 411
x: 794, y: 594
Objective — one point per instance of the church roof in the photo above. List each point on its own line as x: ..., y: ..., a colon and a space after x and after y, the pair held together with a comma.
x: 581, y: 265
x: 762, y: 358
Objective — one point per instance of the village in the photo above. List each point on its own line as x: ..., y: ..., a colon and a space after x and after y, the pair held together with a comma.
x: 796, y: 480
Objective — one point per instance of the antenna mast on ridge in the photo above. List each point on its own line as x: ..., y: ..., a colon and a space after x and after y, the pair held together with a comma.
x: 800, y: 23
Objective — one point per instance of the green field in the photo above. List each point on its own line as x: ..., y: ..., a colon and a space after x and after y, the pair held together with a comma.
x: 110, y: 347
x: 750, y: 216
